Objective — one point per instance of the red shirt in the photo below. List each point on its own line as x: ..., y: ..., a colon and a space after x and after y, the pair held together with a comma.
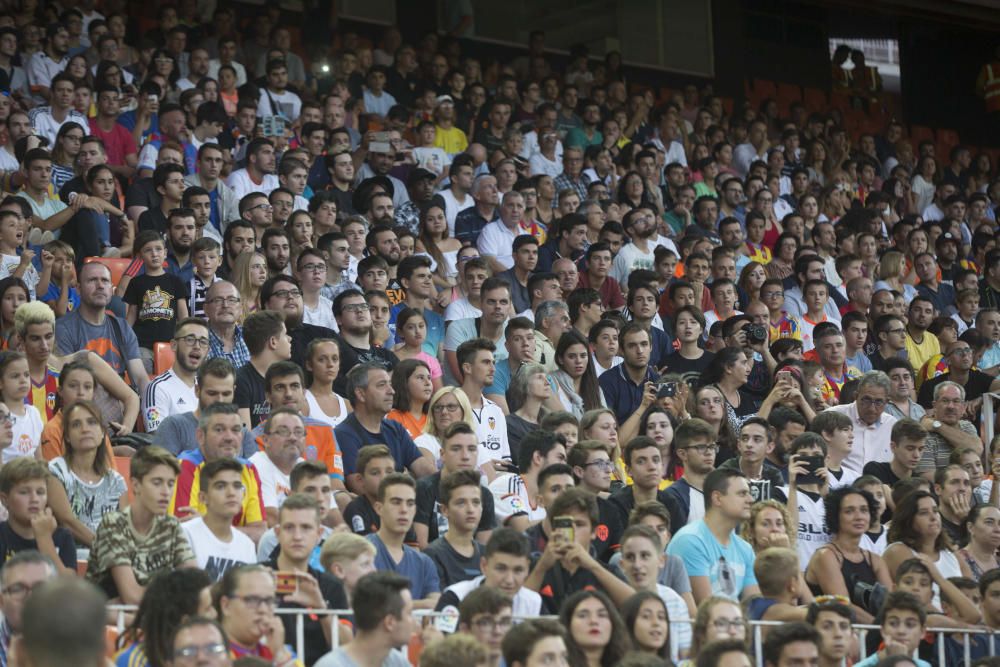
x: 118, y: 142
x: 611, y: 292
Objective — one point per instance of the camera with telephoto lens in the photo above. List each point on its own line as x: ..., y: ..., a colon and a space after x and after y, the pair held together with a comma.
x: 869, y: 597
x: 756, y: 334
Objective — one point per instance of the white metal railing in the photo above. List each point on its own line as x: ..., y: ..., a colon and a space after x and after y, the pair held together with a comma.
x: 861, y: 630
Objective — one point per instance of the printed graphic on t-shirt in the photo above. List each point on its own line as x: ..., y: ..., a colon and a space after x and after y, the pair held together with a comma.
x: 156, y: 305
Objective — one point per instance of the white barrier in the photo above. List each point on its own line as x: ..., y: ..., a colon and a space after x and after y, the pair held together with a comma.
x: 860, y: 630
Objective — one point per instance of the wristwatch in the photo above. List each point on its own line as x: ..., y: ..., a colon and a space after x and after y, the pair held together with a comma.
x: 936, y: 424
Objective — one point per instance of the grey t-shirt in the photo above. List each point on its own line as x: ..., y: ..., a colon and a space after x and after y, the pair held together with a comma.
x: 114, y: 342
x: 339, y: 658
x: 89, y: 502
x: 176, y: 435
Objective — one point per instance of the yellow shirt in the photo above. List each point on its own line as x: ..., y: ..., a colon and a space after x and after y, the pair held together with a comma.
x: 450, y: 141
x: 922, y: 353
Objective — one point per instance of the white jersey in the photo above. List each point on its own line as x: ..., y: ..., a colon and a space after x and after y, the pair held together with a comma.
x: 526, y: 603
x: 491, y: 429
x: 510, y: 498
x: 452, y: 207
x: 812, y: 525
x: 242, y: 185
x: 166, y: 395
x: 215, y: 556
x: 876, y: 546
x: 847, y: 478
x: 275, y: 485
x: 26, y: 434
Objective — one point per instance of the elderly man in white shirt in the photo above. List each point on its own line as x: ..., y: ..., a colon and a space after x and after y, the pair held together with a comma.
x: 872, y: 425
x: 496, y: 241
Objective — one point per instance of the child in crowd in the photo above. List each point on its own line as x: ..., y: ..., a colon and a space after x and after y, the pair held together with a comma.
x: 156, y: 300
x: 906, y: 442
x: 348, y: 557
x: 30, y: 523
x: 781, y: 587
x: 837, y: 430
x: 15, y: 385
x: 217, y: 546
x: 312, y: 479
x: 374, y: 463
x: 876, y: 539
x: 903, y: 623
x: 12, y: 264
x: 58, y: 265
x: 206, y: 257
x: 456, y: 553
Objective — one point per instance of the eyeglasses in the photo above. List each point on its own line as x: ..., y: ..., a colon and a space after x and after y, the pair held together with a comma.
x: 287, y: 293
x: 603, y: 464
x: 314, y: 267
x: 703, y: 449
x: 466, y: 258
x: 207, y: 650
x: 895, y: 331
x: 771, y: 295
x: 723, y: 624
x: 285, y: 432
x: 490, y: 623
x: 6, y: 418
x: 257, y: 601
x: 192, y: 340
x: 266, y: 207
x: 223, y: 300
x: 19, y: 590
x: 446, y: 407
x: 873, y: 402
x: 355, y: 308
x: 962, y: 351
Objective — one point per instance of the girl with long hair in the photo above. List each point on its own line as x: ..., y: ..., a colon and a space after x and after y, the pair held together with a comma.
x: 648, y: 621
x: 601, y: 425
x: 412, y: 328
x: 576, y: 381
x: 658, y: 424
x: 729, y: 370
x: 769, y: 526
x: 322, y: 368
x: 249, y: 274
x: 708, y: 403
x: 64, y: 152
x: 782, y: 264
x: 84, y: 485
x: 411, y: 382
x: 980, y: 554
x: 443, y: 249
x: 597, y: 636
x: 528, y: 391
x: 13, y: 292
x: 717, y: 618
x: 751, y: 278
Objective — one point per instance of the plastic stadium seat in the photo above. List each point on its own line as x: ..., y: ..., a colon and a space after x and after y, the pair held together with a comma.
x: 815, y: 100
x: 727, y: 103
x: 787, y: 94
x: 116, y: 264
x: 163, y: 357
x: 946, y: 140
x: 762, y: 89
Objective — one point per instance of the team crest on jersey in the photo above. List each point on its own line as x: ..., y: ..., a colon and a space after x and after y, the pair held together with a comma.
x: 358, y: 524
x: 311, y: 454
x: 516, y: 504
x: 492, y: 421
x: 50, y: 401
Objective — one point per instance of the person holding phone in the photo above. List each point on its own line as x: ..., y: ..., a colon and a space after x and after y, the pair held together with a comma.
x: 753, y: 445
x: 808, y: 484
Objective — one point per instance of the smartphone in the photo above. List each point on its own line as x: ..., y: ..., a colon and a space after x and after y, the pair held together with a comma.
x: 384, y: 137
x: 667, y: 390
x: 379, y: 146
x: 813, y: 463
x: 288, y: 583
x: 784, y: 376
x: 563, y: 529
x: 273, y: 126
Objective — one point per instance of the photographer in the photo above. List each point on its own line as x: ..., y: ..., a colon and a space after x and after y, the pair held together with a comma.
x: 754, y: 443
x: 740, y: 331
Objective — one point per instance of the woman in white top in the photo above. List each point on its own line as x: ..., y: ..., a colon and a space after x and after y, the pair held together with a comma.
x: 576, y: 382
x: 447, y: 406
x: 311, y: 270
x: 435, y: 242
x: 922, y: 188
x: 84, y: 485
x: 916, y: 530
x: 322, y: 368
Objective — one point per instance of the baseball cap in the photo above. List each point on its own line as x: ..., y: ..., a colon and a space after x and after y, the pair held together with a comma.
x: 945, y: 238
x: 420, y: 174
x: 443, y: 99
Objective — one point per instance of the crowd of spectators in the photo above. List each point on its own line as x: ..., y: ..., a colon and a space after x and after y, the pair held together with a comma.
x: 594, y: 377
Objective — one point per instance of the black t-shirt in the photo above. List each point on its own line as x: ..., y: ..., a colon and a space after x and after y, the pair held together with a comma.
x: 364, y: 520
x: 428, y: 492
x: 689, y: 369
x: 978, y: 384
x: 153, y: 219
x: 250, y: 393
x: 304, y: 334
x: 155, y: 299
x: 452, y: 566
x: 882, y: 470
x: 351, y: 356
x: 316, y: 645
x: 142, y: 193
x: 558, y: 584
x: 12, y: 543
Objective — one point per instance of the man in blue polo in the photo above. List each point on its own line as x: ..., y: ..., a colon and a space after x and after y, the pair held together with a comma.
x: 624, y: 384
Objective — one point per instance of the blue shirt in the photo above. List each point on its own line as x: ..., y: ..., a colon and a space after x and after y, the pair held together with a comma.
x: 73, y: 297
x: 435, y: 328
x: 352, y: 436
x: 860, y: 361
x: 185, y: 273
x: 621, y: 394
x: 729, y: 569
x: 415, y: 566
x: 239, y: 355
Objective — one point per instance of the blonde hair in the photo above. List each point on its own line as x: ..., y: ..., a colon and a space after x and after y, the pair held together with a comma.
x: 774, y: 567
x: 462, y: 399
x: 32, y: 312
x: 343, y: 548
x: 747, y: 530
x: 240, y: 277
x: 889, y: 266
x: 700, y: 630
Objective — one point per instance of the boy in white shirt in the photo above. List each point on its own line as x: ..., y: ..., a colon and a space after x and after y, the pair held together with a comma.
x: 838, y: 431
x: 815, y: 294
x: 11, y: 238
x: 217, y: 546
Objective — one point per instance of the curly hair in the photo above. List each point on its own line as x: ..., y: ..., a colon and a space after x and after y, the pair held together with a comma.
x: 834, y: 500
x: 747, y: 529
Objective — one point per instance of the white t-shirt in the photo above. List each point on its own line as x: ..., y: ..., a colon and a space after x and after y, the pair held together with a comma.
x: 680, y: 621
x: 241, y: 184
x: 287, y: 104
x: 452, y: 207
x: 433, y: 159
x: 497, y: 241
x: 510, y: 498
x: 461, y: 310
x: 491, y: 429
x: 215, y: 556
x: 321, y: 315
x: 166, y: 395
x: 630, y: 258
x: 275, y: 485
x: 542, y: 165
x: 430, y: 443
x: 812, y: 525
x: 27, y: 434
x: 316, y: 412
x: 9, y: 264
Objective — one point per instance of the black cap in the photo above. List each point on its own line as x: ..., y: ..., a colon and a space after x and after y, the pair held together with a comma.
x: 420, y: 174
x: 945, y: 238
